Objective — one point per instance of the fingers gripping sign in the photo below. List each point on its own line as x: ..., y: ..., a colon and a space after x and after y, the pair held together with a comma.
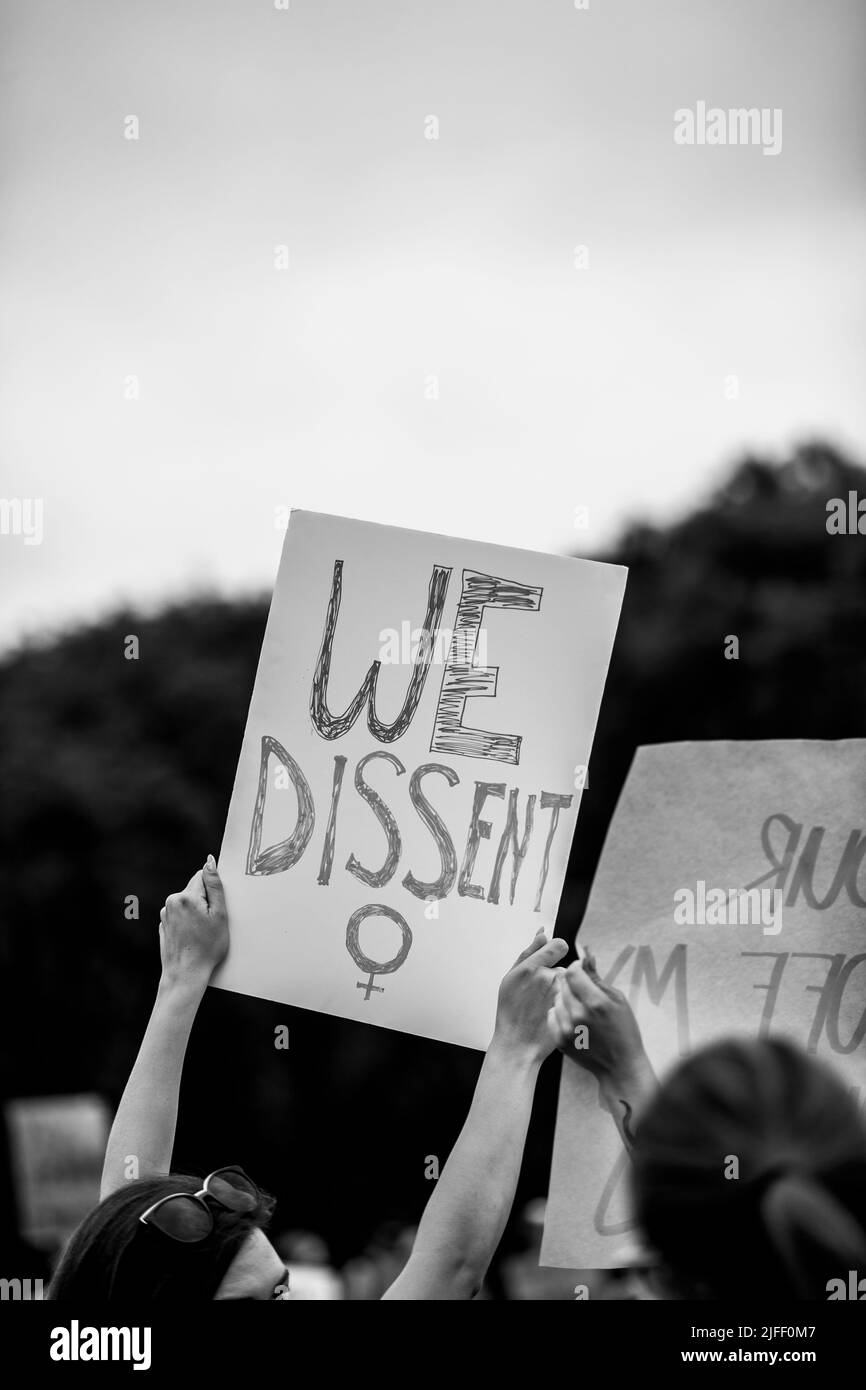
x: 193, y: 927
x: 569, y: 1019
x: 593, y: 1023
x: 526, y: 995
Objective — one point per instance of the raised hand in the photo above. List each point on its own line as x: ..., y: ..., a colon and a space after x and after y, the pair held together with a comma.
x: 526, y: 994
x: 593, y: 1025
x: 193, y: 928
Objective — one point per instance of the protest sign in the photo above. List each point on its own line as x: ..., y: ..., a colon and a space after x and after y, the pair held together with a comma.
x: 57, y: 1146
x: 729, y: 899
x: 410, y: 774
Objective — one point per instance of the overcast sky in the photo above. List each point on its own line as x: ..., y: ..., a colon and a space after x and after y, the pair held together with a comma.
x: 408, y: 259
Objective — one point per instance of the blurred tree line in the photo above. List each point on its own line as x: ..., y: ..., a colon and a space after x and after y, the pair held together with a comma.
x: 116, y: 777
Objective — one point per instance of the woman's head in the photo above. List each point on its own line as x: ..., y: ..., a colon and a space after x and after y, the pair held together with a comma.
x: 750, y: 1173
x: 113, y: 1255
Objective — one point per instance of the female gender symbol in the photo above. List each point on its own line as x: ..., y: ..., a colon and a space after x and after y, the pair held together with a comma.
x: 374, y: 967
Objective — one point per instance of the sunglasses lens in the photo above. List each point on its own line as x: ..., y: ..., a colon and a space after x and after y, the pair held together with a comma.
x: 233, y: 1190
x: 182, y: 1218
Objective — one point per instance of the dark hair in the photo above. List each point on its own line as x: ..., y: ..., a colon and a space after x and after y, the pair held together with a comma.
x: 113, y: 1256
x: 790, y: 1213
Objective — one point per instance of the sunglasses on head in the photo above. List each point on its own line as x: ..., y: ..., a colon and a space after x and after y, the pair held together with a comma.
x: 186, y: 1216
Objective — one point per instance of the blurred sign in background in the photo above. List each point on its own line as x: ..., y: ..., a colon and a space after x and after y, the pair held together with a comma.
x: 57, y: 1145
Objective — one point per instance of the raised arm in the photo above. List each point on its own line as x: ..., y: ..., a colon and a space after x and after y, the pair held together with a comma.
x: 593, y: 1025
x: 193, y: 938
x: 466, y: 1215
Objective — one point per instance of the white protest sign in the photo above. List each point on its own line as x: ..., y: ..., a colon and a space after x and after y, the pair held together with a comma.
x: 729, y: 899
x: 411, y: 769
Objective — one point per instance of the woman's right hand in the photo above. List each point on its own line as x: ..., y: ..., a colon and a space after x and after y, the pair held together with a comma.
x: 194, y: 929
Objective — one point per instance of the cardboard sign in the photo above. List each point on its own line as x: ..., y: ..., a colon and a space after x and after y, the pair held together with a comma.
x: 57, y: 1146
x: 417, y: 741
x: 730, y: 899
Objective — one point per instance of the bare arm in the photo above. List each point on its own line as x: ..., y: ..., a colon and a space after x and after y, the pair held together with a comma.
x: 466, y: 1215
x: 193, y: 938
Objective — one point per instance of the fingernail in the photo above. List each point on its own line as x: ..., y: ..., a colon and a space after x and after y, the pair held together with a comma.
x: 211, y: 863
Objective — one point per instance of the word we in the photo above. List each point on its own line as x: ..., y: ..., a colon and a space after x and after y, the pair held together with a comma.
x: 729, y: 907
x: 738, y: 126
x: 461, y: 679
x: 76, y: 1343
